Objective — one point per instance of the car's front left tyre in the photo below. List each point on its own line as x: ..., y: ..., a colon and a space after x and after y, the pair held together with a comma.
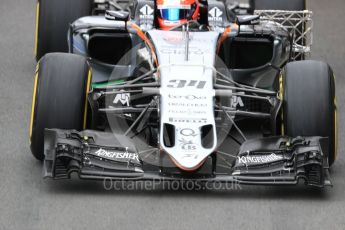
x: 62, y: 82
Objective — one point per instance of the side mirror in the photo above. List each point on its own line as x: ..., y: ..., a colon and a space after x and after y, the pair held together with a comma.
x: 248, y: 19
x: 117, y: 15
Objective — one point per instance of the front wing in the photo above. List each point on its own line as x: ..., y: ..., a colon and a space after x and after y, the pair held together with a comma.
x: 265, y: 161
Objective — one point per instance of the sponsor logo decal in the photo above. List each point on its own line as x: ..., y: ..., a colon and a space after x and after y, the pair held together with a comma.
x: 236, y: 101
x: 184, y: 83
x: 117, y: 155
x: 188, y: 97
x: 187, y: 132
x: 189, y: 120
x: 187, y: 111
x: 124, y: 99
x: 215, y: 15
x: 146, y: 12
x: 187, y: 145
x: 178, y: 51
x: 182, y: 104
x: 173, y: 38
x: 259, y: 159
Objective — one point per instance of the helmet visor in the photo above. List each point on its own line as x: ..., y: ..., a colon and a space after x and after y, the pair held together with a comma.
x: 175, y: 14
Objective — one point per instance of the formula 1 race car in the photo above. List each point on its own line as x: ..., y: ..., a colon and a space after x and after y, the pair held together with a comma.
x: 209, y: 91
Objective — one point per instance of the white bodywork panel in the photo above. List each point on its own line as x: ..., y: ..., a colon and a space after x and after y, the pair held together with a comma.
x: 187, y: 93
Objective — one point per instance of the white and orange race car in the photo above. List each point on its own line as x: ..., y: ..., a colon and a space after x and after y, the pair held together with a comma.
x: 208, y: 91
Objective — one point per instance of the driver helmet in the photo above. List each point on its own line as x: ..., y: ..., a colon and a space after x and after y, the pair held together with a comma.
x: 172, y: 13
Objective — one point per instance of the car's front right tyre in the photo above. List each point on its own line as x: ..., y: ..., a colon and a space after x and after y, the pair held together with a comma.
x: 309, y: 103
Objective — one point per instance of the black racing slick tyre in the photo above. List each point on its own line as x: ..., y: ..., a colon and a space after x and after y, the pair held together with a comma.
x: 293, y: 5
x: 53, y: 18
x: 62, y: 82
x: 309, y: 104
